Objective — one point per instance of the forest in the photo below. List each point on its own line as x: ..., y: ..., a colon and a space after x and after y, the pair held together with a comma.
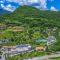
x: 27, y: 24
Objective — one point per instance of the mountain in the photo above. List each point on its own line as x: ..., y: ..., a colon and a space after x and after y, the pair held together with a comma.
x: 2, y: 11
x: 33, y: 17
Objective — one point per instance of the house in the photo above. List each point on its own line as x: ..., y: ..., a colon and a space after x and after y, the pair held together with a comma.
x: 18, y: 49
x: 51, y: 40
x: 16, y: 29
x: 3, y: 41
x: 2, y: 26
x: 41, y: 40
x: 8, y: 49
x: 40, y: 48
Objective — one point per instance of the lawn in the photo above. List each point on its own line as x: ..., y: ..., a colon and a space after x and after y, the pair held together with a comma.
x: 57, y: 58
x: 26, y: 55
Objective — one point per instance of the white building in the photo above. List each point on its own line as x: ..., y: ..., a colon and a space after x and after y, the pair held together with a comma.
x: 19, y: 49
x: 51, y: 40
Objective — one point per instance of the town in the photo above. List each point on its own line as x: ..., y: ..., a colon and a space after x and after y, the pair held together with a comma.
x: 38, y: 43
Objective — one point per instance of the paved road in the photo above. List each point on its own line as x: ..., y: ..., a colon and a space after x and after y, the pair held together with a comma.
x: 44, y: 57
x: 2, y: 57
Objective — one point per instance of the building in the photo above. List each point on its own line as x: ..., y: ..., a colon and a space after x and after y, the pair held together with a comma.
x: 16, y: 29
x: 40, y: 48
x: 51, y: 40
x: 18, y: 49
x: 41, y: 40
x: 2, y: 27
x: 4, y: 41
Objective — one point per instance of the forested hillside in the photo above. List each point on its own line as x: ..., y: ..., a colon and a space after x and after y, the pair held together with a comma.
x: 27, y: 24
x: 31, y: 15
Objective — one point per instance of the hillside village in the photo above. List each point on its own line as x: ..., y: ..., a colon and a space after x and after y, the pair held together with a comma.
x: 22, y: 38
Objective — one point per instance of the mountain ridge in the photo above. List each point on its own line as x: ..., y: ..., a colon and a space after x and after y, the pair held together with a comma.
x: 44, y: 17
x: 2, y: 12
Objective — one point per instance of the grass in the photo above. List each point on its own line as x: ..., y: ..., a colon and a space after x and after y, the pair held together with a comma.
x: 27, y: 55
x: 57, y: 58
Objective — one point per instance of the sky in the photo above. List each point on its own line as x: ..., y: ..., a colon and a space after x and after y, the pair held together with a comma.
x: 12, y: 5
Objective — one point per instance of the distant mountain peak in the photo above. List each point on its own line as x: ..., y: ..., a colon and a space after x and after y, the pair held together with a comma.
x: 2, y: 11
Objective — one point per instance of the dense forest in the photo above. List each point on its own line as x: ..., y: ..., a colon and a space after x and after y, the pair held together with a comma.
x: 27, y: 24
x: 31, y: 15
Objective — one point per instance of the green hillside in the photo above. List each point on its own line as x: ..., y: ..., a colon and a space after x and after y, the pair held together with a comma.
x: 31, y: 15
x: 29, y: 23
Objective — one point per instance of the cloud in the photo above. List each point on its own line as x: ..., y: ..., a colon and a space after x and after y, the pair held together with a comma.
x: 2, y: 5
x: 51, y: 0
x: 22, y: 2
x: 53, y: 8
x: 43, y: 3
x: 16, y: 1
x: 1, y: 1
x: 33, y: 1
x: 8, y: 7
x: 36, y: 3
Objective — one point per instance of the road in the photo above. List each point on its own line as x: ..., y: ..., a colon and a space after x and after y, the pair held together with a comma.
x: 2, y: 57
x: 46, y: 57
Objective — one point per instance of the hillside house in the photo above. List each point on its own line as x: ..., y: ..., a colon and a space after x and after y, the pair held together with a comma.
x: 18, y: 49
x: 40, y: 49
x: 16, y: 29
x: 51, y: 40
x: 41, y: 40
x: 3, y: 41
x: 2, y: 27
